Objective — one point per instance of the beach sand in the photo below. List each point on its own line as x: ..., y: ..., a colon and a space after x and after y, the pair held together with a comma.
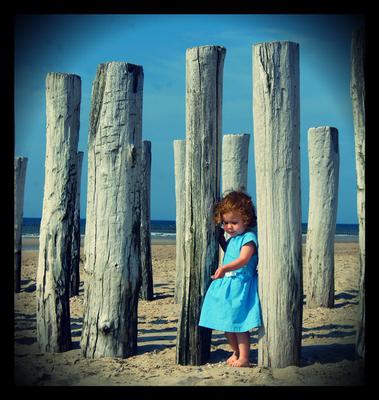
x: 328, y: 356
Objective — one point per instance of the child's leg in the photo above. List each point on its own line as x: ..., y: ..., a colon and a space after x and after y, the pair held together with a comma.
x: 243, y: 340
x: 233, y: 343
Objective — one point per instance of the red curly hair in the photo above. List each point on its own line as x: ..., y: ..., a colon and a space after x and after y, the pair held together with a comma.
x: 236, y: 201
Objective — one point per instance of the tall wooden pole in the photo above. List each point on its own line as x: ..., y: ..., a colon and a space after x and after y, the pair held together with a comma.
x: 113, y: 217
x: 235, y: 157
x: 147, y: 286
x: 75, y: 250
x: 358, y: 95
x: 63, y: 95
x: 276, y: 114
x: 20, y: 164
x: 180, y: 169
x: 323, y: 198
x: 204, y: 73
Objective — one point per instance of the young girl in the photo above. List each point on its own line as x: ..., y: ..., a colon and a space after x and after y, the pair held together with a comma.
x: 231, y: 303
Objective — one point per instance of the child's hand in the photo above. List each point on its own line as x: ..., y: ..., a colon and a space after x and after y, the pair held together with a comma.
x: 218, y: 274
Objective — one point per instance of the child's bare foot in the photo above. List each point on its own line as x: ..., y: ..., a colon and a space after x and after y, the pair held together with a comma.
x: 240, y: 362
x: 232, y: 358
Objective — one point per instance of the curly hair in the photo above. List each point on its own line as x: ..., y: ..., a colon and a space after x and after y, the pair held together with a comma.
x: 236, y: 201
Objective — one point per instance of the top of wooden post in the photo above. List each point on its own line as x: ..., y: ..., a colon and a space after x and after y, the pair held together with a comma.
x: 277, y: 42
x: 236, y: 134
x: 21, y: 158
x: 129, y: 66
x: 62, y: 74
x: 207, y: 46
x: 323, y: 128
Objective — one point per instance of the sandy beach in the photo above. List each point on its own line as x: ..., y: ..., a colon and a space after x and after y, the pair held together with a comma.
x: 328, y: 356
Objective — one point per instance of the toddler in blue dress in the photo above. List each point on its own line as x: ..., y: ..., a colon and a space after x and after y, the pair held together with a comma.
x: 231, y: 303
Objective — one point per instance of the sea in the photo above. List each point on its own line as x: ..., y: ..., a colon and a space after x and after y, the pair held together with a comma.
x: 166, y: 230
x: 159, y: 229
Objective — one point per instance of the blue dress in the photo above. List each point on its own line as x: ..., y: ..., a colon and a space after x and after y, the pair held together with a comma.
x: 231, y: 303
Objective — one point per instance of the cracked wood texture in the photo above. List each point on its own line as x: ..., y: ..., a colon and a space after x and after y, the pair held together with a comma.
x: 235, y: 157
x: 180, y: 169
x: 204, y: 76
x: 323, y: 156
x: 112, y: 242
x: 75, y: 249
x: 63, y: 95
x: 147, y: 286
x: 276, y: 117
x: 20, y: 164
x: 358, y: 96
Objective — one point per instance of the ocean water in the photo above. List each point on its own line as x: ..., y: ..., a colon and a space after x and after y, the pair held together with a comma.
x: 161, y: 229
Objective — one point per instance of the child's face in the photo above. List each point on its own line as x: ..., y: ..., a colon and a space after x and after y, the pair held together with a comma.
x: 233, y: 223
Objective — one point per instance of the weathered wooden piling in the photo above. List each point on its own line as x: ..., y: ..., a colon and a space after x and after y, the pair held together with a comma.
x: 323, y: 155
x: 75, y: 249
x: 235, y: 157
x: 358, y: 95
x: 147, y: 287
x: 276, y: 115
x: 113, y: 217
x: 180, y: 169
x: 204, y: 76
x: 63, y: 95
x: 20, y: 164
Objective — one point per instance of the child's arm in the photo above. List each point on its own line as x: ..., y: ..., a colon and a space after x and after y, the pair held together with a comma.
x: 247, y: 251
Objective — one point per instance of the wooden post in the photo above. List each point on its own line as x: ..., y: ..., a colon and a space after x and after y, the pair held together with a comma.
x: 235, y: 156
x: 358, y: 95
x: 20, y: 164
x: 63, y: 94
x: 113, y: 218
x: 147, y: 287
x: 204, y: 71
x: 75, y: 249
x: 323, y: 197
x: 180, y: 168
x: 276, y: 115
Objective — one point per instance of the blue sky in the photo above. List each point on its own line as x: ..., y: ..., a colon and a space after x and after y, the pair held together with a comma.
x: 78, y: 43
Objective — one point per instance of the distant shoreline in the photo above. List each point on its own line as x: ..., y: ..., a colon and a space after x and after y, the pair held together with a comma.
x: 32, y: 242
